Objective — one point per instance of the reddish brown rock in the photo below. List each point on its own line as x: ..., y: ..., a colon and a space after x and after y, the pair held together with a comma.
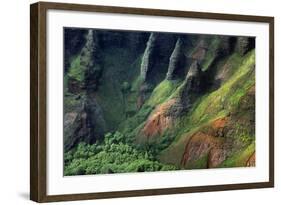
x: 199, y: 145
x: 208, y: 142
x: 216, y: 157
x: 251, y: 162
x: 158, y: 121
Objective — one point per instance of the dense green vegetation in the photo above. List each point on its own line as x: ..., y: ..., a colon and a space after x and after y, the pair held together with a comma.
x: 238, y: 159
x: 113, y: 155
x: 162, y: 92
x: 75, y: 70
x: 228, y: 95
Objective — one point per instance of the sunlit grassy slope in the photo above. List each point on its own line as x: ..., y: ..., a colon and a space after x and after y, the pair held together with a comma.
x: 214, y: 105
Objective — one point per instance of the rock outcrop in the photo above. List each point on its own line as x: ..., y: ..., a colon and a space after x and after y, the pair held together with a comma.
x: 156, y: 57
x: 85, y: 124
x: 154, y: 64
x: 90, y: 61
x: 166, y: 113
x: 158, y: 121
x: 144, y: 93
x: 193, y: 81
x: 208, y: 144
x: 86, y: 75
x: 226, y: 46
x: 191, y: 86
x: 148, y: 57
x: 244, y: 44
x: 177, y: 62
x: 251, y: 162
x: 200, y: 50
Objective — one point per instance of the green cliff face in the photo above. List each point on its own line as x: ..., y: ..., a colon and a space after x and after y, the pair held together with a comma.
x: 139, y: 101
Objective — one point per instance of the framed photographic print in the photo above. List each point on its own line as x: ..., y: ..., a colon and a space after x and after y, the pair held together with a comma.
x: 134, y: 102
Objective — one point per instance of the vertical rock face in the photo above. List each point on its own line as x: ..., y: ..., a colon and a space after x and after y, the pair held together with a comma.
x: 226, y: 46
x: 147, y: 59
x: 155, y: 62
x: 85, y: 121
x: 90, y: 61
x: 200, y: 50
x: 164, y: 115
x: 177, y: 60
x: 244, y: 44
x: 191, y: 86
x: 193, y: 82
x: 86, y: 73
x: 95, y: 119
x: 84, y: 125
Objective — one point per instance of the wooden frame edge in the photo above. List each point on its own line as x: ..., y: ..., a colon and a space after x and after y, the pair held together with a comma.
x: 38, y: 93
x: 155, y: 192
x: 154, y: 12
x: 271, y: 101
x: 37, y: 102
x: 33, y: 102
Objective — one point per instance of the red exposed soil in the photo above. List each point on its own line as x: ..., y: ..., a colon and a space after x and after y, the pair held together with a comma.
x: 216, y: 156
x: 158, y: 121
x: 199, y: 145
x: 251, y: 162
x: 219, y: 123
x: 208, y: 142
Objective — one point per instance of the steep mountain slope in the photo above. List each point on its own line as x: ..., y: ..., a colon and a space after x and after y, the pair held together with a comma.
x: 180, y: 101
x: 221, y: 123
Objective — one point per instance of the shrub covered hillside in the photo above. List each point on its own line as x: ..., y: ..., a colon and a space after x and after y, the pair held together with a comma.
x: 141, y: 101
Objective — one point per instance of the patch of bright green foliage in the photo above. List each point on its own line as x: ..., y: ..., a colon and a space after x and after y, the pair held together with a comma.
x: 114, y: 155
x: 76, y: 72
x: 200, y: 163
x: 210, y: 54
x: 228, y: 95
x: 216, y: 104
x: 71, y: 102
x: 162, y: 92
x: 240, y: 158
